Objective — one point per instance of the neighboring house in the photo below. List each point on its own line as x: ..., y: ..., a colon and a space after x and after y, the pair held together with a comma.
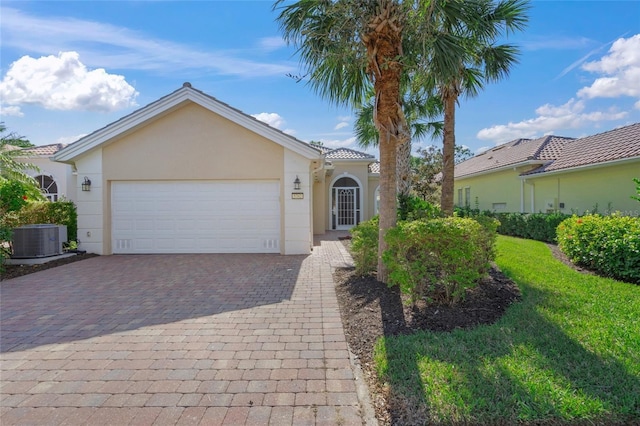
x: 56, y: 180
x: 190, y: 174
x: 554, y: 173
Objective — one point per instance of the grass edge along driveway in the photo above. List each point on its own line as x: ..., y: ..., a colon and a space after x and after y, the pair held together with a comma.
x: 568, y: 352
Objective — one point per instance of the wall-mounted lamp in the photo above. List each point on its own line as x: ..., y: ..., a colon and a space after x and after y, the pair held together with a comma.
x: 296, y: 184
x: 86, y: 185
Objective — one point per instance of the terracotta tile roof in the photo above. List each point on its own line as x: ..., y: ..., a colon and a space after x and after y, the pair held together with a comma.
x: 44, y: 150
x: 347, y: 154
x: 515, y: 152
x: 616, y: 144
x: 374, y: 167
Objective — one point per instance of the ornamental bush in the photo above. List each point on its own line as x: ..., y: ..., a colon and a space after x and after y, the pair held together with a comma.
x: 364, y: 246
x: 58, y: 212
x: 438, y: 259
x: 609, y: 245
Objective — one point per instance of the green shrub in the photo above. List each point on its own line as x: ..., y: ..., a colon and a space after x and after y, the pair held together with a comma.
x: 609, y: 245
x: 414, y: 208
x: 438, y: 259
x: 58, y: 212
x: 13, y: 195
x: 364, y: 246
x: 533, y: 226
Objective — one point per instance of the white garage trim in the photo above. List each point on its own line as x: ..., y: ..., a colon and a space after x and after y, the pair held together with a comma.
x: 219, y: 216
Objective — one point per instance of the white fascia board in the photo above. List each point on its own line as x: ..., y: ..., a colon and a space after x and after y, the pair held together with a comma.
x: 503, y: 168
x: 581, y: 168
x: 176, y: 98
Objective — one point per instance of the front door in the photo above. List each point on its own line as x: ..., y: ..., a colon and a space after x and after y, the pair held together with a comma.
x: 346, y: 211
x: 345, y: 203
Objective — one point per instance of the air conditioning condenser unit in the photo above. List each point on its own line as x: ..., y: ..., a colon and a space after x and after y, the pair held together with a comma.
x: 39, y: 240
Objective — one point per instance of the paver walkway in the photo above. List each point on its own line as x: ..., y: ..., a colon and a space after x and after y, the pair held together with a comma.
x: 187, y: 339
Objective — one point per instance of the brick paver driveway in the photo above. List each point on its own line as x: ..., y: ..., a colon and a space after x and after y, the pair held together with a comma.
x: 186, y: 339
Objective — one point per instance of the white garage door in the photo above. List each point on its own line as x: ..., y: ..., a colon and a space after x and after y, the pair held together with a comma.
x: 195, y: 217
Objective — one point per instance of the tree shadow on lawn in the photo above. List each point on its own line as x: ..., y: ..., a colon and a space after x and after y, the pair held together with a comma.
x: 521, y: 369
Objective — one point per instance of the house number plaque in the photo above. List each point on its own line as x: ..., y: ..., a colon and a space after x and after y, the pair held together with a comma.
x: 297, y: 195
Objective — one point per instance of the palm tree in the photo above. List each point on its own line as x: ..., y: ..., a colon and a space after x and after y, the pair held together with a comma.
x: 348, y: 45
x: 420, y: 109
x: 482, y: 61
x: 10, y: 168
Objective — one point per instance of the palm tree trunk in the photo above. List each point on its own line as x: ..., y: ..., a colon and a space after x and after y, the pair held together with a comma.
x: 404, y: 169
x: 384, y: 46
x: 448, y: 152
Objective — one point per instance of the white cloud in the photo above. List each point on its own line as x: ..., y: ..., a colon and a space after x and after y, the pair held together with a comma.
x: 272, y: 43
x: 70, y: 139
x: 340, y: 143
x: 271, y: 118
x: 64, y: 83
x: 550, y: 118
x: 343, y: 121
x: 556, y: 42
x: 106, y: 45
x: 13, y: 111
x: 620, y: 70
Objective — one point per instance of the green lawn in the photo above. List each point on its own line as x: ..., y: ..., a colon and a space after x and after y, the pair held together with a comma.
x: 568, y: 352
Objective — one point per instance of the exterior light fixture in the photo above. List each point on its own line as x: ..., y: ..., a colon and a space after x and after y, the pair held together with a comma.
x: 296, y: 184
x: 86, y: 185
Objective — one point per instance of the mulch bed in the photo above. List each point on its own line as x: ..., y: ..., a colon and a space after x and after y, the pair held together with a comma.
x: 13, y: 271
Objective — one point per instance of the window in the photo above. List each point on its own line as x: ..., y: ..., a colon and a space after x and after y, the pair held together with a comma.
x: 460, y: 198
x: 467, y: 196
x: 48, y: 187
x: 499, y: 207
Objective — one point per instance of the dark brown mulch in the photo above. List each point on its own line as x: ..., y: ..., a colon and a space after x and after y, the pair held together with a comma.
x: 13, y: 271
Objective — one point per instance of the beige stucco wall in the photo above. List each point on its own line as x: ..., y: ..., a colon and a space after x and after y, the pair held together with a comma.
x: 319, y: 206
x: 610, y: 188
x: 374, y: 183
x: 93, y: 224
x: 192, y: 143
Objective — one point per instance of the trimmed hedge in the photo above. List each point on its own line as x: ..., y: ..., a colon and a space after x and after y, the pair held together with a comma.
x: 364, y: 246
x: 439, y: 259
x: 609, y: 245
x: 533, y: 226
x: 58, y: 212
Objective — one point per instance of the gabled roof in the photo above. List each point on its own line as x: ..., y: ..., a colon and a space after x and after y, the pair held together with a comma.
x: 374, y: 168
x: 171, y: 101
x: 44, y: 150
x: 519, y: 152
x: 347, y: 154
x: 614, y: 145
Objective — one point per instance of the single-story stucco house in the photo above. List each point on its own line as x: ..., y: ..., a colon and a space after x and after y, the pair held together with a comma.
x: 555, y: 173
x: 190, y: 174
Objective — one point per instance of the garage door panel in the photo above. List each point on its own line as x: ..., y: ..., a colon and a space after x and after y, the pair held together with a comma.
x: 196, y: 217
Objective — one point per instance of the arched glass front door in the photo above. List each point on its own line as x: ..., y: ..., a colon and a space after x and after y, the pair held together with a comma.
x: 345, y: 203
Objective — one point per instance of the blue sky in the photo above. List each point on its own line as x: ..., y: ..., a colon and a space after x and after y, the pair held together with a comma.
x: 68, y: 68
